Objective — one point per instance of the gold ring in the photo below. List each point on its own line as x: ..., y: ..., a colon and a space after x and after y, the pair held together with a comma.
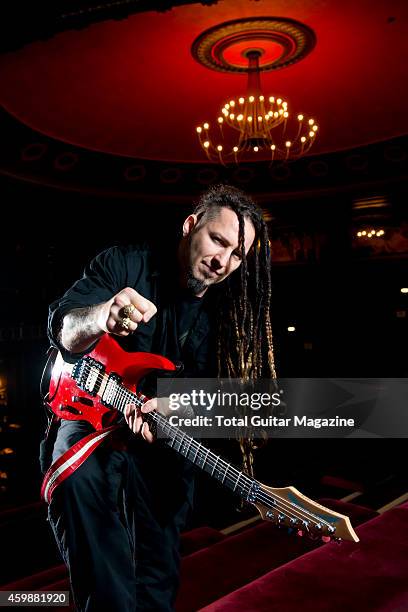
x: 127, y: 310
x: 125, y: 322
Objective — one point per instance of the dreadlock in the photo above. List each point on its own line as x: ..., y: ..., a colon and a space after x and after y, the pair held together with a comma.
x: 244, y: 339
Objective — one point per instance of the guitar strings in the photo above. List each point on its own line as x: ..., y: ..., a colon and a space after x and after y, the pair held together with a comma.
x: 122, y: 393
x: 289, y: 507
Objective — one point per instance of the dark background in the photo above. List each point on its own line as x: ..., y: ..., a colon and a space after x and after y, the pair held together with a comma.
x: 62, y: 204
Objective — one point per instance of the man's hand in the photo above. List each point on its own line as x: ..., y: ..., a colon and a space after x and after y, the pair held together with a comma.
x: 134, y: 419
x: 124, y: 312
x: 120, y: 316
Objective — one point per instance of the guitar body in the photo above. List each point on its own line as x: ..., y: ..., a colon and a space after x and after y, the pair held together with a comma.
x: 68, y: 401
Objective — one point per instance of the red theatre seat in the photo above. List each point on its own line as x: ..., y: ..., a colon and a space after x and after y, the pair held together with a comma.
x: 369, y: 575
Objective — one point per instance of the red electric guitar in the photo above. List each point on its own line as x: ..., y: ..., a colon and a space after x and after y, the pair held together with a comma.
x: 105, y: 381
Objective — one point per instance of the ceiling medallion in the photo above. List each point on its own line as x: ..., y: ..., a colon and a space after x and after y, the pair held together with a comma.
x: 258, y: 122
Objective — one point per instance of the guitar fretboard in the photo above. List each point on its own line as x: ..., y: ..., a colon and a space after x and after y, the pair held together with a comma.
x: 191, y: 449
x: 297, y: 512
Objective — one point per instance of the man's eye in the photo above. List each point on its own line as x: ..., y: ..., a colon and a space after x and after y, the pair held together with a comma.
x: 237, y: 255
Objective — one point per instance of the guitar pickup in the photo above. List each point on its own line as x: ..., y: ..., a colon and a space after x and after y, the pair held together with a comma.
x: 88, y: 374
x: 112, y: 391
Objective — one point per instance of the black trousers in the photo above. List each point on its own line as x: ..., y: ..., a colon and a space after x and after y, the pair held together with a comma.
x: 117, y: 521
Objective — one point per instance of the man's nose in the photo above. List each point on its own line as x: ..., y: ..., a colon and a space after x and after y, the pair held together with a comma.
x: 220, y: 260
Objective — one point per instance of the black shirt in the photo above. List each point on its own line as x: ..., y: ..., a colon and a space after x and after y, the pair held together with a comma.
x: 183, y: 328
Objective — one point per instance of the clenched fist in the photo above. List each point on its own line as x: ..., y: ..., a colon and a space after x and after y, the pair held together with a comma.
x: 122, y: 314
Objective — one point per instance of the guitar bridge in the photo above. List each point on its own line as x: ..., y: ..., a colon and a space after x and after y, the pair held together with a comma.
x: 88, y: 374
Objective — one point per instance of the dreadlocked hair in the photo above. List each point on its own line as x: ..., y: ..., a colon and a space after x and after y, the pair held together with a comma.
x: 244, y: 338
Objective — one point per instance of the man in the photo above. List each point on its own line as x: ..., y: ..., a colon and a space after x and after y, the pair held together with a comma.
x: 117, y: 519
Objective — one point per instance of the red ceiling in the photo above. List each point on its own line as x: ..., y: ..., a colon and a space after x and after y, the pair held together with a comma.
x: 131, y: 87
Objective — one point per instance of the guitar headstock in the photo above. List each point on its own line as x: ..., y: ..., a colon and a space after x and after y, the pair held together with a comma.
x: 289, y: 507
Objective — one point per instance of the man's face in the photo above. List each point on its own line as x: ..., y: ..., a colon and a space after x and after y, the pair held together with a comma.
x: 213, y: 248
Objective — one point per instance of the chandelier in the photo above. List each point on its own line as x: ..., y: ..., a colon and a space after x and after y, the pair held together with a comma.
x: 255, y: 125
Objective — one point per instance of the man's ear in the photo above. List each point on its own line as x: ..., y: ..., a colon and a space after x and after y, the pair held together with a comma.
x: 189, y: 224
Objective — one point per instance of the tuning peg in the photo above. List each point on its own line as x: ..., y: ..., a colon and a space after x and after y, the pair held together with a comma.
x: 280, y: 518
x: 269, y: 515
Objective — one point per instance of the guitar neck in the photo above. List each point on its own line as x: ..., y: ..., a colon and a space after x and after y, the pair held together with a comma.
x: 283, y: 506
x: 194, y: 451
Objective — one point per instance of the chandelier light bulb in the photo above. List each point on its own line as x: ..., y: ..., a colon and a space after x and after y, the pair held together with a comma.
x: 261, y: 126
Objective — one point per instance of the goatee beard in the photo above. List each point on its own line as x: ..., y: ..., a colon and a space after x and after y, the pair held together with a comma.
x: 195, y: 285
